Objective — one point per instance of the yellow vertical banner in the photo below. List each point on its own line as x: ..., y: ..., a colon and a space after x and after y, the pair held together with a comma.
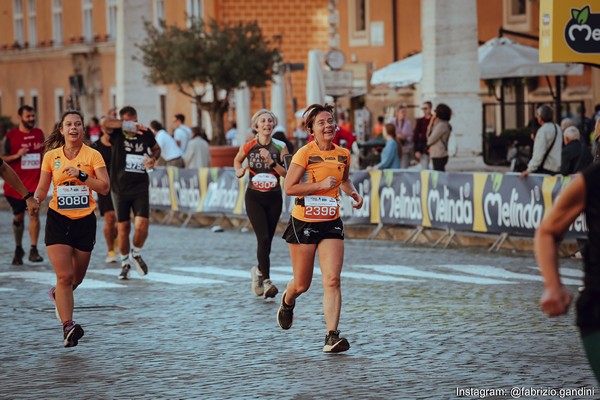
x: 424, y: 194
x: 171, y: 171
x: 375, y: 206
x: 548, y: 184
x: 203, y: 178
x: 239, y: 204
x: 479, y: 180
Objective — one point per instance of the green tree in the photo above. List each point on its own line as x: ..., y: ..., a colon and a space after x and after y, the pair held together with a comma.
x: 213, y: 55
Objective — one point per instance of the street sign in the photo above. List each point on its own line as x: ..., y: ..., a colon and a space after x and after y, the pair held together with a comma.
x: 338, y: 83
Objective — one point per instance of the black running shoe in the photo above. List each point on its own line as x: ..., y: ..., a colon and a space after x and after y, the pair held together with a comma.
x: 285, y: 314
x: 270, y: 289
x: 140, y: 264
x: 34, y: 256
x: 124, y: 272
x: 72, y: 333
x: 18, y: 258
x: 334, y: 343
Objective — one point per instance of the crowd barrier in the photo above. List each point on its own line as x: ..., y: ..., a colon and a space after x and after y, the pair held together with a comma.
x: 501, y: 204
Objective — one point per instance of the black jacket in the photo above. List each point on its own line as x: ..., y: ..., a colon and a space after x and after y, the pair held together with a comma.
x: 575, y: 157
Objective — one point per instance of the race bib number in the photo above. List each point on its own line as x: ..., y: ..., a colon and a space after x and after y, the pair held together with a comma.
x: 134, y: 163
x: 31, y: 161
x: 73, y: 197
x: 264, y: 182
x: 323, y: 208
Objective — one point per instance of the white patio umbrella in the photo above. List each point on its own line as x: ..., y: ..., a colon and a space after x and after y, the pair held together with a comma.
x: 406, y: 72
x: 498, y: 58
x: 505, y: 58
x: 315, y: 85
x: 278, y: 99
x: 242, y: 112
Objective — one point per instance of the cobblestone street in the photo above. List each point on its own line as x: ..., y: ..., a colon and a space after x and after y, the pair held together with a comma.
x: 421, y: 322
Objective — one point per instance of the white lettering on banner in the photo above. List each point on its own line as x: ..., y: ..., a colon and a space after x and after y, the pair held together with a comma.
x: 513, y: 214
x: 188, y: 193
x: 456, y: 211
x: 404, y: 206
x: 160, y: 194
x: 580, y: 224
x: 346, y: 202
x: 222, y: 196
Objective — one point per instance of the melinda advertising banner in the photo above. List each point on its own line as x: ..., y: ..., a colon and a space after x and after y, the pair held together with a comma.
x: 570, y: 31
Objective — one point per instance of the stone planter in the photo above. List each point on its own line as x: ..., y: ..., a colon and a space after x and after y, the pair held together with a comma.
x: 222, y: 156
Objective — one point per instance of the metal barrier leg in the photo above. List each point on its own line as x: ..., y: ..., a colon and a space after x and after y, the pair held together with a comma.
x: 452, y: 236
x: 376, y: 231
x: 441, y: 238
x: 497, y: 245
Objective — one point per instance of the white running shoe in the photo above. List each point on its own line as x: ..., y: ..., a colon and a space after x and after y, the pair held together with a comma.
x: 257, y: 282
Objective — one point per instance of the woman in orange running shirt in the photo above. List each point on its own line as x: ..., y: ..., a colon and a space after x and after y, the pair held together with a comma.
x: 317, y: 172
x: 75, y: 169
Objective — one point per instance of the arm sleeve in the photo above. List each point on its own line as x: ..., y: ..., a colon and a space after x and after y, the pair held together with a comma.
x: 539, y: 149
x: 97, y: 160
x: 435, y: 135
x: 565, y: 166
x: 387, y: 155
x: 47, y: 162
x: 301, y: 157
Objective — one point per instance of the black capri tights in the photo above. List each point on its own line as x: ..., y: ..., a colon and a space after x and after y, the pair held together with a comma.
x: 263, y: 210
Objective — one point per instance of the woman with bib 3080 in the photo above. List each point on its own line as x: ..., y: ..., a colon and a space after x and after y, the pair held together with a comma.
x: 75, y: 169
x: 263, y: 198
x: 317, y: 172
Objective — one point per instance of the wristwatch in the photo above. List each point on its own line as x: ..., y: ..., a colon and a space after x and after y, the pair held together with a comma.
x: 273, y: 164
x: 82, y: 176
x: 28, y: 196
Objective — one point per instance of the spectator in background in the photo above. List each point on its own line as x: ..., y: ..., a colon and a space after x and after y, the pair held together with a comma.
x: 279, y: 134
x: 566, y: 122
x: 597, y: 112
x: 344, y: 123
x: 300, y: 135
x: 390, y: 156
x: 421, y: 125
x: 576, y: 155
x: 547, y: 145
x: 170, y: 153
x: 378, y: 128
x: 231, y: 135
x: 404, y: 134
x: 197, y: 154
x: 112, y: 113
x: 94, y: 129
x: 182, y: 133
x: 438, y: 136
x: 596, y: 142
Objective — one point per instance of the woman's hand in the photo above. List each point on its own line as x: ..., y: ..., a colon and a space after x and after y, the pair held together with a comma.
x: 328, y: 183
x: 358, y: 199
x: 240, y: 172
x: 71, y: 172
x: 264, y: 153
x: 556, y: 301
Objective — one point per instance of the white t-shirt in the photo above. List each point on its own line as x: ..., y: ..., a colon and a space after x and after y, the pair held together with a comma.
x: 168, y: 147
x: 182, y: 135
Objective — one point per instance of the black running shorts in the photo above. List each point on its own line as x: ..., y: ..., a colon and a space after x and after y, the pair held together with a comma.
x: 77, y: 233
x: 105, y: 204
x: 300, y: 232
x: 124, y: 204
x: 18, y: 205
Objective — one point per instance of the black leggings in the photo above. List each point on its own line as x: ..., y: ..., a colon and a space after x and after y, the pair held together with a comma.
x: 263, y: 210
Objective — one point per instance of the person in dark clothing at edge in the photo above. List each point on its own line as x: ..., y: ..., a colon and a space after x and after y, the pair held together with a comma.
x: 581, y: 195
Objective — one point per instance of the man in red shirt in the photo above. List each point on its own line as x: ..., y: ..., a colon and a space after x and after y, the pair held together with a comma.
x: 23, y: 152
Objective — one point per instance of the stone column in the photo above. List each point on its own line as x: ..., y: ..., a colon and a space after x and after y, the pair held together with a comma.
x: 132, y: 87
x: 451, y: 72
